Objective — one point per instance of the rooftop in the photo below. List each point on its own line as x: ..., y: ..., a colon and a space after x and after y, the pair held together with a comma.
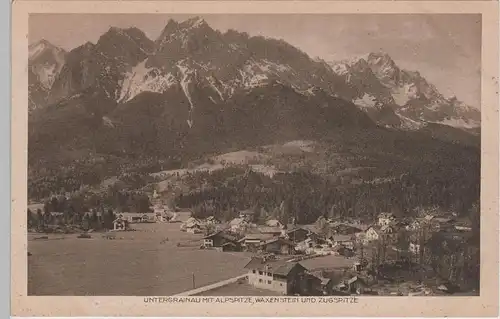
x: 236, y: 221
x: 328, y: 262
x: 279, y: 267
x: 342, y: 237
x: 267, y: 229
x: 257, y: 236
x: 282, y: 240
x: 223, y: 235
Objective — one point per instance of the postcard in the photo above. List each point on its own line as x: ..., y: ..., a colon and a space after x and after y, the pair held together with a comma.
x: 217, y: 158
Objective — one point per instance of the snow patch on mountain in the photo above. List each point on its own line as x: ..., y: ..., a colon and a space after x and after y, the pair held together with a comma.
x: 257, y: 73
x: 47, y: 74
x: 45, y: 61
x: 185, y: 81
x: 460, y: 123
x: 36, y: 49
x: 402, y: 94
x: 366, y: 101
x: 212, y: 82
x: 252, y: 75
x: 409, y: 124
x: 269, y: 66
x: 144, y: 79
x: 343, y: 67
x: 339, y: 68
x: 186, y: 73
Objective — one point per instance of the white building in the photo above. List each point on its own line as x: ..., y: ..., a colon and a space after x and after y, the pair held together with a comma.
x: 276, y: 275
x: 385, y: 219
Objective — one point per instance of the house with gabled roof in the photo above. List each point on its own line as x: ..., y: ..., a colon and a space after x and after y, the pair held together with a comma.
x: 238, y: 224
x: 212, y: 220
x: 345, y: 229
x: 373, y: 233
x: 221, y: 239
x: 120, y: 224
x: 299, y: 234
x: 192, y: 225
x: 277, y: 275
x: 247, y: 214
x: 275, y: 231
x: 353, y: 285
x: 385, y: 218
x: 278, y: 245
x: 274, y: 223
x: 252, y: 241
x: 344, y: 240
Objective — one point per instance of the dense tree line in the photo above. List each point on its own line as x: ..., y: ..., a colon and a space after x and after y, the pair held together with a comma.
x: 94, y: 210
x: 47, y: 220
x: 307, y: 196
x: 49, y: 178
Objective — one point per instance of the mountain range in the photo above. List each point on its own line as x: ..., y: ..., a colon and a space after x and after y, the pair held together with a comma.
x: 124, y: 63
x: 195, y: 90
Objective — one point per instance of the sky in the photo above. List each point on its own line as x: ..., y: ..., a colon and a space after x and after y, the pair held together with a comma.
x: 444, y: 48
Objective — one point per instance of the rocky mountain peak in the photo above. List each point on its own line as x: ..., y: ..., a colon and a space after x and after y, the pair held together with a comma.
x: 42, y: 47
x: 194, y: 22
x: 383, y: 66
x: 46, y: 61
x: 174, y: 32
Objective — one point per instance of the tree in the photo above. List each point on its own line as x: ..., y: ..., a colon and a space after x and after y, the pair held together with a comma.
x: 54, y: 204
x: 39, y: 218
x: 30, y: 221
x: 94, y: 220
x: 86, y: 222
x: 47, y: 218
x: 46, y: 207
x: 108, y: 219
x: 323, y: 226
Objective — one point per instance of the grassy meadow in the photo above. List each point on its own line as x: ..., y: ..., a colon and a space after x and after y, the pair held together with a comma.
x: 135, y: 263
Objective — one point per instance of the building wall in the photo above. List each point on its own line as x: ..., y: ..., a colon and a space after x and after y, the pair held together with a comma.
x: 384, y: 221
x: 208, y: 243
x: 193, y: 230
x: 285, y: 249
x: 215, y: 241
x: 265, y: 280
x: 414, y: 248
x: 371, y: 235
x: 273, y: 248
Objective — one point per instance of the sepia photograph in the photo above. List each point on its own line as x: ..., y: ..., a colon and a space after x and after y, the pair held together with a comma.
x: 254, y: 154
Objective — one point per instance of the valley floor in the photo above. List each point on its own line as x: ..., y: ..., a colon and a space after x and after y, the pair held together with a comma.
x: 134, y: 264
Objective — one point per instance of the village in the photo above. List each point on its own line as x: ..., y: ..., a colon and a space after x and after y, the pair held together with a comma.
x: 345, y: 256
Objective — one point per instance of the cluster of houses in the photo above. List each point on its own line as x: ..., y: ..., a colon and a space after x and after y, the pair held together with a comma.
x: 285, y: 274
x: 273, y: 237
x: 290, y: 277
x: 158, y: 214
x: 279, y: 248
x: 420, y: 229
x: 342, y: 238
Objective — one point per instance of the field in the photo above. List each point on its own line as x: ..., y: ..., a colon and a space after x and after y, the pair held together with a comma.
x: 135, y: 263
